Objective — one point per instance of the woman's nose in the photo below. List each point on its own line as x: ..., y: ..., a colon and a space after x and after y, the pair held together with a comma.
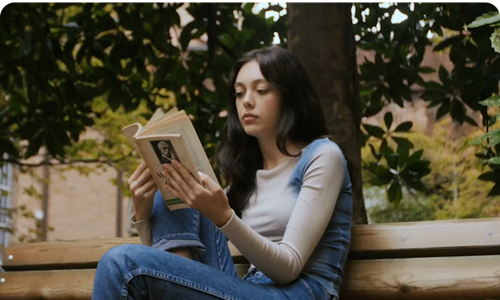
x: 248, y: 100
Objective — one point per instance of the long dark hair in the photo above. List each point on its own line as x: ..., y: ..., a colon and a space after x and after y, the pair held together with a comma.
x: 301, y: 120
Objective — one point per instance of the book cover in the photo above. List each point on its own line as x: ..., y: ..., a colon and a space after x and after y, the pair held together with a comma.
x: 164, y: 138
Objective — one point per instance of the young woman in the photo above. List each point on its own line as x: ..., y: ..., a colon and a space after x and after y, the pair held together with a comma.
x: 288, y: 206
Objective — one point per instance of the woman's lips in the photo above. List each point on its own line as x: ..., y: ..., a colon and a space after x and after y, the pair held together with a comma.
x: 249, y: 117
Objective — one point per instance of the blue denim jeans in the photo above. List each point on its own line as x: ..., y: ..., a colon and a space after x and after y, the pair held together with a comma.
x: 143, y: 272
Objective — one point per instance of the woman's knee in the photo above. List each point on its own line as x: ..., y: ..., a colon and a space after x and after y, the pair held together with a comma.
x: 121, y: 258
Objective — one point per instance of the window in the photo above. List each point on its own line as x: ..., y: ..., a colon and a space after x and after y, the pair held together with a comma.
x: 5, y: 202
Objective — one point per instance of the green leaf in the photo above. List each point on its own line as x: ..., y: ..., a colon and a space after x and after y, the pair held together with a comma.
x: 384, y: 149
x: 492, y: 101
x: 419, y: 169
x: 376, y: 96
x: 374, y: 153
x: 188, y: 31
x: 404, y: 152
x: 433, y: 86
x: 485, y: 19
x: 443, y: 109
x: 489, y: 176
x: 494, y: 160
x: 394, y: 193
x: 414, y: 183
x: 495, y: 139
x: 402, y: 142
x: 276, y: 8
x: 494, y: 119
x: 481, y: 156
x: 8, y: 147
x: 444, y: 76
x: 495, y: 40
x: 482, y: 138
x: 426, y: 70
x: 378, y: 181
x: 382, y: 172
x: 495, y: 191
x: 388, y: 120
x: 404, y: 127
x: 117, y: 96
x: 448, y: 42
x: 470, y: 120
x: 374, y: 131
x: 392, y: 160
x: 415, y: 157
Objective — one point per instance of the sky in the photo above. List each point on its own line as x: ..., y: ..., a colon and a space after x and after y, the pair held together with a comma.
x: 397, y: 17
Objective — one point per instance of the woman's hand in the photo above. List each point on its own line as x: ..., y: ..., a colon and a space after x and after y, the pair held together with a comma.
x: 208, y: 197
x: 143, y: 189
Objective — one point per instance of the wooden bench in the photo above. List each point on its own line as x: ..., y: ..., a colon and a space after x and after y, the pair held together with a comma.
x: 456, y: 259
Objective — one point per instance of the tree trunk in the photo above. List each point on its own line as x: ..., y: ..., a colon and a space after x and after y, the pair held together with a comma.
x: 322, y: 36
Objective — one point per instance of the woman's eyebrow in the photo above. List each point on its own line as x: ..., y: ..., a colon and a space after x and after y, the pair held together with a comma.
x: 253, y: 82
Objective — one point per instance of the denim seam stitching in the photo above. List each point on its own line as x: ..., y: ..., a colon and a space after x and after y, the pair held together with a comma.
x: 164, y: 241
x: 180, y: 236
x: 177, y: 280
x: 219, y: 250
x: 308, y: 289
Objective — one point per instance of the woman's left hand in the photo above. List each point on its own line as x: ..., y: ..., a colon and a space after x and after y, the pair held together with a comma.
x: 208, y: 197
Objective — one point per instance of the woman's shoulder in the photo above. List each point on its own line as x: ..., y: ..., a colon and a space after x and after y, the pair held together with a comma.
x: 322, y: 147
x: 320, y: 155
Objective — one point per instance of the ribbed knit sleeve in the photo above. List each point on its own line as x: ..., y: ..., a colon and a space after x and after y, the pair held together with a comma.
x: 143, y: 228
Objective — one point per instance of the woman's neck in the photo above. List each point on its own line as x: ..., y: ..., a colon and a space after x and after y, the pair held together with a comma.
x: 272, y: 156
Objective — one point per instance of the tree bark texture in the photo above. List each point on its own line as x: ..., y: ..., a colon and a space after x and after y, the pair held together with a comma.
x: 322, y: 36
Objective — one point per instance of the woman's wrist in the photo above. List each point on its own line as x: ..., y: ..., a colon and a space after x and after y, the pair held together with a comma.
x: 138, y: 217
x: 224, y: 218
x: 140, y: 214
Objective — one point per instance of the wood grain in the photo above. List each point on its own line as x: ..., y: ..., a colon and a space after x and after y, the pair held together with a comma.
x: 426, y: 238
x: 56, y: 285
x: 78, y: 254
x: 395, y: 240
x: 412, y: 278
x: 466, y: 277
x: 55, y: 255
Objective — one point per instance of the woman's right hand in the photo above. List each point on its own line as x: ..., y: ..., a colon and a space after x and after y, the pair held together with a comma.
x: 143, y: 189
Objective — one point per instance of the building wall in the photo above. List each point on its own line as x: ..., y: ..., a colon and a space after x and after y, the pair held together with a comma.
x: 80, y: 207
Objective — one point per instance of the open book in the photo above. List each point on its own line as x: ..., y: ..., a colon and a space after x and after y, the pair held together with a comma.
x: 169, y: 136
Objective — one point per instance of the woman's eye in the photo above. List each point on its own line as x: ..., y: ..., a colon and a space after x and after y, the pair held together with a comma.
x: 238, y: 94
x: 261, y: 92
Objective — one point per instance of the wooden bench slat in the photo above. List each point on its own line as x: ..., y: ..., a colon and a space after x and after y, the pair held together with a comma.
x: 433, y: 278
x: 461, y: 277
x: 78, y: 254
x: 54, y: 285
x: 426, y: 238
x: 395, y: 240
x: 60, y: 255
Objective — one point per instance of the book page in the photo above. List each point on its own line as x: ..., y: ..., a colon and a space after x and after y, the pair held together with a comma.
x: 160, y: 116
x: 130, y: 131
x: 157, y: 115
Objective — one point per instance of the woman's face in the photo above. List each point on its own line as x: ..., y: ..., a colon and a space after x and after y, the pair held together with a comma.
x: 258, y: 103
